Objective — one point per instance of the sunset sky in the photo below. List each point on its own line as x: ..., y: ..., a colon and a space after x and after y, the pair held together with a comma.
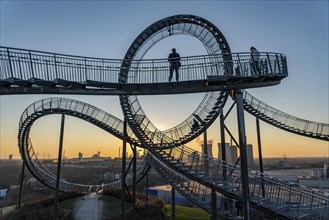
x: 299, y: 29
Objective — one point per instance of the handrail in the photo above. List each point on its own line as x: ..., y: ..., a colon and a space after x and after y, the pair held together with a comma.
x: 209, y: 171
x: 207, y: 111
x: 189, y: 164
x: 33, y: 65
x: 283, y: 120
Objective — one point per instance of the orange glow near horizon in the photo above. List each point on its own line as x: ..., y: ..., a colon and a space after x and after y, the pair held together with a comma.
x: 82, y: 137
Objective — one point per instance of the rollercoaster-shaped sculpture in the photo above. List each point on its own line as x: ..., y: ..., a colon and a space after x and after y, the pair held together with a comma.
x: 194, y: 175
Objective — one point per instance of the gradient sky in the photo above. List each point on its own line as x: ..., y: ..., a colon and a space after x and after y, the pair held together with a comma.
x: 299, y: 29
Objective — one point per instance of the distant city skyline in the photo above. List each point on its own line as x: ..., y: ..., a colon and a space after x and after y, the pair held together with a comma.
x: 299, y: 29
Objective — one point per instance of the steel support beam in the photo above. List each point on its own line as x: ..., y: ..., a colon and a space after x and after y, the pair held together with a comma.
x: 232, y: 137
x: 173, y: 204
x: 243, y: 155
x: 147, y: 187
x: 222, y: 137
x: 260, y: 156
x: 123, y: 170
x: 21, y: 186
x: 59, y: 164
x: 213, y: 205
x: 205, y: 149
x: 134, y: 183
x: 205, y: 152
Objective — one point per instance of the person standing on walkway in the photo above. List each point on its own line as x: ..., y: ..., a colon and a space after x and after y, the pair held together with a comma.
x: 195, y: 125
x: 174, y: 60
x: 254, y: 61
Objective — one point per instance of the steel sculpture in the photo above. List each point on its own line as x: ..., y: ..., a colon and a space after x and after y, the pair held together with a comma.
x: 35, y: 72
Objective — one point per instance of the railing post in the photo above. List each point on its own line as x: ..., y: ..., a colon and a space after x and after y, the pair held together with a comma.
x: 154, y: 81
x: 86, y: 68
x: 32, y: 71
x: 239, y: 66
x: 269, y: 62
x: 205, y: 68
x: 188, y: 70
x: 312, y: 199
x: 283, y: 63
x: 104, y: 73
x: 278, y: 197
x: 10, y: 65
x: 277, y: 60
x: 55, y: 63
x: 59, y: 163
x: 20, y: 68
x: 300, y: 201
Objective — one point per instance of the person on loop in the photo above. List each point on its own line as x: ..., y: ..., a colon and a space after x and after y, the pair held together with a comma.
x: 195, y: 125
x: 254, y: 60
x: 174, y: 60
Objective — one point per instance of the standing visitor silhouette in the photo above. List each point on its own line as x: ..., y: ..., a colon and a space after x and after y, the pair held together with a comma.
x: 174, y: 60
x: 195, y: 125
x: 254, y: 61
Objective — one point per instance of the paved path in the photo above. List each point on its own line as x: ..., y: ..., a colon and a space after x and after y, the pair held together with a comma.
x: 89, y: 207
x: 6, y: 210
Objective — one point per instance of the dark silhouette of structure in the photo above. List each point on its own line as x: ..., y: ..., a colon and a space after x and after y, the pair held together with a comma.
x: 201, y: 179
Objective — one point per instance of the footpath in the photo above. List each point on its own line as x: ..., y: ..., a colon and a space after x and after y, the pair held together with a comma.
x: 89, y: 207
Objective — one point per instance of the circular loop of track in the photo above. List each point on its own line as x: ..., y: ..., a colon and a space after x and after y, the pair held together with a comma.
x: 213, y: 41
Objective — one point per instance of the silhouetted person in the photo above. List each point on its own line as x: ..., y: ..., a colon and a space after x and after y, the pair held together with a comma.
x: 195, y: 125
x: 174, y: 60
x: 238, y: 206
x: 254, y: 61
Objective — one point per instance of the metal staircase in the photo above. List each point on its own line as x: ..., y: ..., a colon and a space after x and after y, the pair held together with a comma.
x: 285, y: 121
x: 73, y: 108
x: 191, y: 173
x: 275, y: 197
x: 201, y: 179
x: 147, y: 133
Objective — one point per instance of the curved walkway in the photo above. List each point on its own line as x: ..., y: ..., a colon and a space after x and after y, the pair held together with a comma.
x: 283, y: 120
x: 35, y: 72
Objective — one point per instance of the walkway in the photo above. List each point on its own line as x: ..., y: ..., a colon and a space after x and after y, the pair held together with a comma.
x: 89, y: 207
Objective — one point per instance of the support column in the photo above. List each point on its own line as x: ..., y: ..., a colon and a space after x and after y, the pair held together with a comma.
x: 123, y: 170
x: 147, y: 188
x: 205, y: 141
x: 59, y: 163
x: 224, y: 162
x: 243, y: 156
x: 21, y: 186
x: 260, y: 156
x: 213, y: 205
x: 222, y: 136
x: 173, y: 204
x: 205, y: 151
x: 134, y: 183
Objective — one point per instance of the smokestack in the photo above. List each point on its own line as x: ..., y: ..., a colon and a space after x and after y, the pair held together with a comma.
x: 250, y: 155
x: 209, y: 150
x: 227, y: 152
